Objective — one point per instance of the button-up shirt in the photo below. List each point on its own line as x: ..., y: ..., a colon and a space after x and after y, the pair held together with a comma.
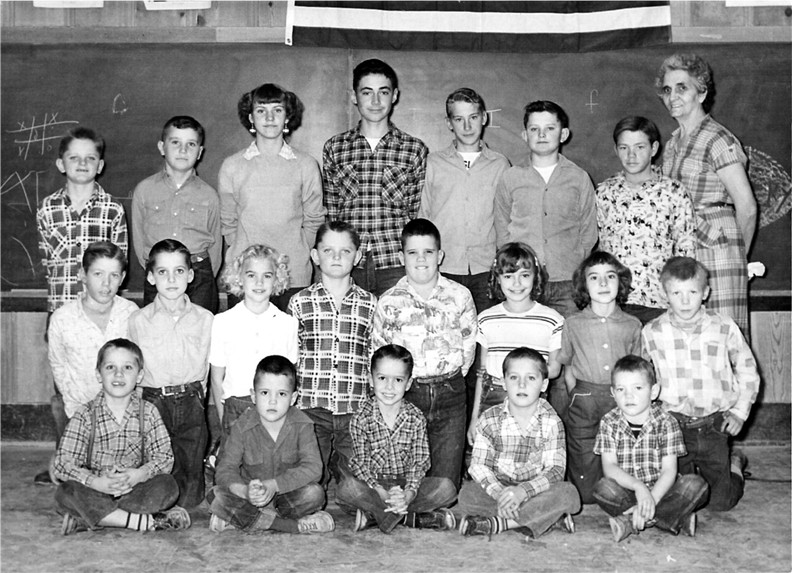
x: 377, y: 191
x: 334, y: 348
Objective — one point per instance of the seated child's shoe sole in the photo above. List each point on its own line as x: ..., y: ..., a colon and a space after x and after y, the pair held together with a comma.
x: 319, y: 522
x: 689, y: 525
x: 621, y: 527
x: 71, y: 524
x: 567, y: 523
x: 217, y: 524
x: 362, y: 521
x: 174, y: 518
x: 475, y: 525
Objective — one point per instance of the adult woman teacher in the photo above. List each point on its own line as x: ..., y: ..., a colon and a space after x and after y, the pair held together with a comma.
x: 710, y: 162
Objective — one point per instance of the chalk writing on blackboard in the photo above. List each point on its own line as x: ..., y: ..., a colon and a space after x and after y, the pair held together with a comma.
x: 119, y: 105
x: 37, y: 135
x: 591, y: 103
x: 29, y: 258
x: 491, y: 118
x: 22, y: 186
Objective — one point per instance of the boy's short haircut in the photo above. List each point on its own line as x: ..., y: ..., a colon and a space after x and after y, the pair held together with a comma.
x: 635, y: 364
x: 580, y: 292
x: 271, y: 93
x: 420, y: 228
x: 698, y: 69
x: 277, y: 365
x: 373, y: 67
x: 548, y: 106
x: 465, y: 95
x: 337, y: 227
x: 167, y: 246
x: 636, y: 123
x: 683, y: 269
x: 523, y: 352
x: 393, y: 352
x: 510, y: 258
x: 124, y: 344
x: 183, y: 122
x: 103, y: 250
x: 232, y: 275
x: 81, y: 133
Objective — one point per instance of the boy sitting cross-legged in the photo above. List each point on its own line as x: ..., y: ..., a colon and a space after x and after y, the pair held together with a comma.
x: 519, y: 459
x: 391, y: 455
x: 269, y: 467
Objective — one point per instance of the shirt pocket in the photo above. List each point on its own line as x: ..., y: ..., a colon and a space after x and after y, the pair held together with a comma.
x: 346, y: 181
x: 521, y: 468
x: 394, y: 180
x: 196, y: 216
x: 710, y: 233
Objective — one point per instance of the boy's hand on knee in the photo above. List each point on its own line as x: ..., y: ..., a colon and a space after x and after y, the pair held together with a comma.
x: 510, y: 500
x: 471, y: 432
x: 732, y: 425
x: 645, y: 506
x: 113, y: 484
x: 639, y: 523
x: 133, y: 476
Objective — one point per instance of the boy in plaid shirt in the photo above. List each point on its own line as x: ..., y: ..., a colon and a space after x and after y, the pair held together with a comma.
x: 391, y: 455
x: 639, y: 443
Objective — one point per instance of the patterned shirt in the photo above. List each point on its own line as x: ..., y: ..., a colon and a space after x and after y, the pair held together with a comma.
x: 380, y: 451
x: 641, y: 457
x: 64, y: 235
x: 116, y: 445
x: 376, y: 191
x: 505, y: 455
x: 74, y: 341
x: 705, y: 370
x: 645, y: 227
x: 334, y: 347
x: 439, y: 332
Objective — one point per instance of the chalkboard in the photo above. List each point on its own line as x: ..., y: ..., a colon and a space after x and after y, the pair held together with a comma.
x: 126, y: 92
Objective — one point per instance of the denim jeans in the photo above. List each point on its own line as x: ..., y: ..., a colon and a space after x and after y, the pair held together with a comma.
x: 537, y: 513
x: 376, y: 281
x: 185, y: 419
x: 478, y: 285
x: 443, y: 404
x: 335, y: 442
x: 202, y: 290
x: 708, y: 450
x: 91, y: 506
x: 233, y: 408
x: 245, y: 516
x: 432, y: 494
x: 589, y: 402
x: 558, y: 296
x: 687, y: 494
x: 492, y: 394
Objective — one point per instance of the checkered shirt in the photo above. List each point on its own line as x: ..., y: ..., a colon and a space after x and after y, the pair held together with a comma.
x: 376, y: 191
x: 116, y: 446
x: 378, y: 450
x: 641, y: 457
x: 65, y: 234
x: 504, y: 455
x: 334, y: 347
x: 707, y: 370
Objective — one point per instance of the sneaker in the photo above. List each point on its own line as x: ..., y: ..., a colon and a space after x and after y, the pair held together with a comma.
x: 43, y: 478
x: 319, y: 522
x: 441, y: 519
x: 689, y: 525
x: 363, y: 521
x: 217, y: 524
x: 739, y: 462
x: 566, y: 523
x: 621, y: 527
x: 175, y: 518
x: 71, y: 524
x: 475, y: 525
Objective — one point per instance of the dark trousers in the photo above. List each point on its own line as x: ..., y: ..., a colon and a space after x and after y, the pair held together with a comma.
x: 643, y: 313
x: 443, y: 404
x: 185, y: 419
x: 589, y: 402
x: 335, y: 442
x: 91, y: 506
x: 233, y: 408
x: 202, y: 290
x: 376, y: 281
x: 708, y: 452
x: 244, y: 515
x: 687, y: 494
x: 478, y: 285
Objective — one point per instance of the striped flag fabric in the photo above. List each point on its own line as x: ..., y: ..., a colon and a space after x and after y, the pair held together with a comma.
x: 483, y: 26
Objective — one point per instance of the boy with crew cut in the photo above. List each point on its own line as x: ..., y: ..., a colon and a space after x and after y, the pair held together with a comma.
x: 435, y: 319
x: 459, y: 195
x: 269, y: 466
x: 639, y: 443
x: 391, y: 455
x: 175, y: 203
x: 708, y: 379
x: 548, y: 204
x: 519, y: 459
x: 174, y: 335
x: 373, y: 175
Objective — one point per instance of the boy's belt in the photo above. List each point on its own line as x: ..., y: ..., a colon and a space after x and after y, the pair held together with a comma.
x: 175, y: 390
x: 438, y: 378
x: 199, y: 257
x: 693, y: 422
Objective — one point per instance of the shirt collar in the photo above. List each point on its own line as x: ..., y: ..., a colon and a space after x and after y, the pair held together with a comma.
x: 97, y: 191
x: 393, y: 132
x: 159, y: 307
x: 286, y: 152
x: 172, y: 184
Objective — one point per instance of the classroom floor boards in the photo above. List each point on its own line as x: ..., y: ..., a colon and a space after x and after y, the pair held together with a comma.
x: 755, y: 536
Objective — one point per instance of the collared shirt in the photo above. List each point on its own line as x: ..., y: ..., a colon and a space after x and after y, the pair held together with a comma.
x: 501, y: 331
x: 241, y: 338
x: 640, y: 457
x: 592, y: 344
x: 461, y: 202
x: 334, y: 347
x: 504, y: 455
x: 73, y: 344
x: 190, y: 214
x: 439, y: 332
x: 64, y: 235
x: 378, y: 450
x: 557, y: 218
x: 175, y: 347
x: 274, y: 201
x: 116, y: 445
x: 293, y: 460
x: 705, y: 370
x: 376, y: 191
x: 645, y: 227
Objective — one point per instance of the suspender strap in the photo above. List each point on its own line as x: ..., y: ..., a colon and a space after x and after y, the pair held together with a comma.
x: 141, y: 418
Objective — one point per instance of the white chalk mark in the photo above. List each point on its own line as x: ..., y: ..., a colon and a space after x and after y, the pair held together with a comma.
x: 119, y: 105
x: 491, y: 118
x: 30, y: 260
x: 37, y: 133
x: 591, y: 103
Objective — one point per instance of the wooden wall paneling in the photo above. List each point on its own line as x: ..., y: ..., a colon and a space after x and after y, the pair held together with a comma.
x: 113, y: 15
x: 771, y: 16
x: 771, y: 343
x: 24, y: 14
x: 232, y: 14
x: 716, y: 14
x: 25, y: 376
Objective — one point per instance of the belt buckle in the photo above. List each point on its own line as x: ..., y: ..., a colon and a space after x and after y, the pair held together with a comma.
x: 170, y: 390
